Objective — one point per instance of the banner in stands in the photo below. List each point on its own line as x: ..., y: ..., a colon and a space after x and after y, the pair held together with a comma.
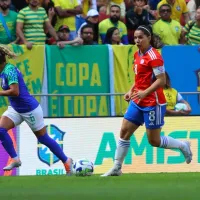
x: 96, y: 139
x: 184, y: 72
x: 31, y: 64
x: 78, y: 70
x: 123, y: 74
x: 5, y: 158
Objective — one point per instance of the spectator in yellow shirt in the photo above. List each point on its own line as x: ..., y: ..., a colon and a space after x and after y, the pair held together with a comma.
x: 113, y: 21
x: 67, y: 11
x: 169, y: 30
x: 173, y: 97
x: 179, y: 7
x: 119, y: 3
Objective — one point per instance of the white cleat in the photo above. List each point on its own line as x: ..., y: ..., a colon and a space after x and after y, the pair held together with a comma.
x: 187, y: 152
x: 15, y: 163
x: 115, y: 171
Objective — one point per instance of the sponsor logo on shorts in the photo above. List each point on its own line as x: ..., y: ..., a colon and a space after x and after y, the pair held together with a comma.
x: 151, y: 124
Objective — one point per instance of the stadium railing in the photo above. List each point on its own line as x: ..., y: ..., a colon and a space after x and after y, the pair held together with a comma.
x: 45, y: 101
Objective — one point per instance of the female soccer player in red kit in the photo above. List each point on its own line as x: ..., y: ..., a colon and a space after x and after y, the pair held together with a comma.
x: 147, y: 102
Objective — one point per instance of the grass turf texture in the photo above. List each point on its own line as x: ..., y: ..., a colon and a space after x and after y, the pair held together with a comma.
x: 164, y: 186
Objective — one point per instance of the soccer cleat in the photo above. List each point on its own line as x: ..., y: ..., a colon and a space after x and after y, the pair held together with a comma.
x: 15, y: 163
x: 187, y: 152
x: 115, y: 171
x: 69, y: 166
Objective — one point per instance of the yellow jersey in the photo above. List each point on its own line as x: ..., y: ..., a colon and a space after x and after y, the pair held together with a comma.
x: 85, y: 6
x: 69, y: 21
x: 117, y: 1
x: 169, y: 32
x: 171, y: 98
x: 178, y: 8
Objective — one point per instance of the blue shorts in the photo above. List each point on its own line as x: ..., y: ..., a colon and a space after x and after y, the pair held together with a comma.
x: 152, y: 116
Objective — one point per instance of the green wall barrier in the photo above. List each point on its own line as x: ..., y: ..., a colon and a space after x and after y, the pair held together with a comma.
x: 78, y: 70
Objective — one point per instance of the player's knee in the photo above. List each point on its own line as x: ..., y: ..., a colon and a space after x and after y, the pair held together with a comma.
x: 154, y: 142
x: 125, y: 133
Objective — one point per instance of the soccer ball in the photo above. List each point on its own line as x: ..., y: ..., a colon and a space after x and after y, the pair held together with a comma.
x: 83, y: 167
x: 181, y: 106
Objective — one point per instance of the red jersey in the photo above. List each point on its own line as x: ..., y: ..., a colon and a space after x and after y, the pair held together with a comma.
x: 144, y: 76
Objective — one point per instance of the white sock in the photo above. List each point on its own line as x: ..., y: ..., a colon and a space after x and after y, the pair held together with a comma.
x: 16, y: 158
x: 121, y: 151
x: 168, y: 142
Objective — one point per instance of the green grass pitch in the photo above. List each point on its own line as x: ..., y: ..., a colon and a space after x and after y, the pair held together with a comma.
x: 162, y: 186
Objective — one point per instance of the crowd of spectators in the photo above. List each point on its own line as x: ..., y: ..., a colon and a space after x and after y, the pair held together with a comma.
x: 92, y: 22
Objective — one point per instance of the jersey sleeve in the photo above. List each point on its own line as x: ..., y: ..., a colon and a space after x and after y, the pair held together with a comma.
x: 21, y: 16
x: 124, y: 37
x: 57, y: 3
x: 179, y: 97
x: 76, y: 3
x: 102, y: 32
x: 158, y: 62
x: 12, y: 76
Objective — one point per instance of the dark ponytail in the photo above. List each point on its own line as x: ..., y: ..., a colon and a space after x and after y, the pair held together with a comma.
x: 155, y: 39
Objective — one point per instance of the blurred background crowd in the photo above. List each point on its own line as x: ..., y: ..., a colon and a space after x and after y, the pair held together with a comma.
x: 92, y: 22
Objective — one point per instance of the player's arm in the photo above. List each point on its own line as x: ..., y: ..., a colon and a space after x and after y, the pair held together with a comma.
x: 12, y: 91
x: 12, y: 78
x: 128, y: 95
x: 159, y: 73
x: 160, y: 81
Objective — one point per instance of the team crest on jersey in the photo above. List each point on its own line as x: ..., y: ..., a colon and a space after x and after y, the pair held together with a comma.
x: 178, y: 8
x: 176, y: 28
x: 142, y: 61
x: 44, y: 154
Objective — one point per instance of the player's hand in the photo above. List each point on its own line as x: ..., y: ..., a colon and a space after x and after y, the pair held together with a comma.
x: 29, y: 45
x: 138, y: 96
x: 127, y: 96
